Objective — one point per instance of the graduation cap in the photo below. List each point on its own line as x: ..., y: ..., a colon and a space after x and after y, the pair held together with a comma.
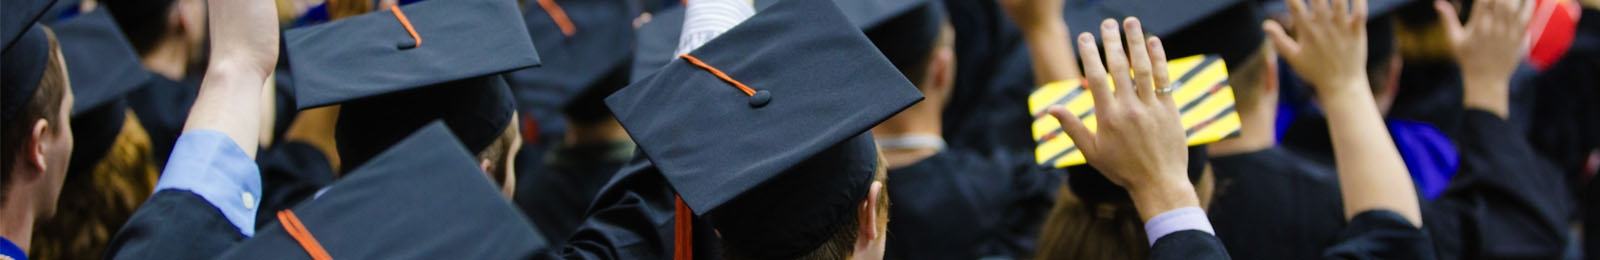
x: 424, y: 198
x: 764, y: 129
x: 586, y: 47
x: 104, y: 68
x: 400, y: 68
x: 24, y: 54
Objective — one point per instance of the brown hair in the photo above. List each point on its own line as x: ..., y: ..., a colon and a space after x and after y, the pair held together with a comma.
x: 1079, y: 229
x: 843, y: 241
x: 45, y: 104
x: 103, y: 200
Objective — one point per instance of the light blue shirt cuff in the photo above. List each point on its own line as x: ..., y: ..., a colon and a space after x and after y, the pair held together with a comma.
x: 211, y: 165
x: 1172, y: 221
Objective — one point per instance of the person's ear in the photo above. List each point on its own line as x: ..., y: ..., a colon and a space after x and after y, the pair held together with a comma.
x: 35, y: 146
x: 486, y: 165
x: 941, y: 67
x: 867, y: 217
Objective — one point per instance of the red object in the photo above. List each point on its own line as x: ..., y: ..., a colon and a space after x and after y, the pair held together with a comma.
x: 1551, y: 30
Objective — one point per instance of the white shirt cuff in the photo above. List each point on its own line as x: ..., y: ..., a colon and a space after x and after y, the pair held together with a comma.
x: 1172, y: 221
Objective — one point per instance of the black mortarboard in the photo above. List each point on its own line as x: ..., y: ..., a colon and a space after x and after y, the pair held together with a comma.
x: 586, y: 47
x: 424, y: 198
x: 394, y: 79
x: 764, y: 129
x: 23, y: 55
x: 1229, y: 28
x: 904, y: 30
x: 104, y: 68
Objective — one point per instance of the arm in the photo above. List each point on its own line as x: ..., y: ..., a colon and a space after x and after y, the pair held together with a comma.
x: 244, y: 38
x: 1046, y: 33
x: 1329, y: 51
x: 1488, y: 49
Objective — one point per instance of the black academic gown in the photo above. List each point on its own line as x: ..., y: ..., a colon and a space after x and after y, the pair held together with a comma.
x: 556, y: 196
x: 1188, y: 244
x: 962, y: 205
x: 630, y: 218
x: 162, y: 106
x: 1505, y: 202
x: 291, y: 172
x: 1565, y: 114
x: 1275, y: 197
x: 174, y: 224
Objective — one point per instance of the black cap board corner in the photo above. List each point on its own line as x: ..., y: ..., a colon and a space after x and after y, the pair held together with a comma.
x: 389, y: 203
x: 391, y: 82
x: 773, y: 166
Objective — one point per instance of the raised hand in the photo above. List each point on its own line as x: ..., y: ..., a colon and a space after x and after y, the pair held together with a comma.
x: 1329, y: 48
x: 1488, y: 49
x: 244, y: 50
x: 1045, y: 30
x: 1139, y: 144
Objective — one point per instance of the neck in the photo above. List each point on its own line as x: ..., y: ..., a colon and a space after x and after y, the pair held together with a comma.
x: 170, y: 59
x: 19, y: 215
x: 922, y: 119
x: 1257, y: 132
x: 605, y: 131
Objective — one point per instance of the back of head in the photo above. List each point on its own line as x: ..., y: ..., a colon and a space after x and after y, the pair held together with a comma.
x: 1077, y: 229
x: 43, y: 102
x: 144, y: 22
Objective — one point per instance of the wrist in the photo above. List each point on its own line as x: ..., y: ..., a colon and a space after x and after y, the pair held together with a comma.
x: 1344, y: 88
x: 1156, y: 198
x: 1494, y: 103
x: 1042, y: 29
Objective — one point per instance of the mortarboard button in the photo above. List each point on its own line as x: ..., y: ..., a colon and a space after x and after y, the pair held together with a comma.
x: 760, y: 99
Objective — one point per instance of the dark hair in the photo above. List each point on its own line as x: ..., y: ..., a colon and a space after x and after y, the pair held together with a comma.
x: 589, y: 107
x: 1380, y: 50
x: 144, y: 22
x: 841, y: 244
x: 45, y: 104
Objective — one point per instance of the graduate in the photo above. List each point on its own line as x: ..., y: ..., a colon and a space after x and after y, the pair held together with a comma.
x: 704, y: 125
x: 170, y: 38
x: 37, y: 134
x: 377, y: 212
x: 1138, y: 153
x: 1505, y: 201
x: 112, y: 168
x: 381, y: 104
x: 586, y: 56
x: 207, y: 195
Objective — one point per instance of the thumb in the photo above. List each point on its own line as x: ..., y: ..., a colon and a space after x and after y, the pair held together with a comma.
x: 1281, y: 40
x: 1074, y: 127
x: 1449, y: 18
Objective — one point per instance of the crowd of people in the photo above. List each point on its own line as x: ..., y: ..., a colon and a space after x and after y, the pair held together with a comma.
x: 800, y: 129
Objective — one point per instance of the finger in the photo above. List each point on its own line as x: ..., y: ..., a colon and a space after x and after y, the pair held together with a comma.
x: 1116, y: 59
x: 1139, y: 55
x: 1094, y: 72
x: 1281, y: 41
x: 1525, y: 14
x: 1449, y: 18
x: 1075, y: 129
x: 1298, y: 11
x: 1341, y: 11
x: 1158, y: 63
x: 1321, y: 10
x: 1358, y: 9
